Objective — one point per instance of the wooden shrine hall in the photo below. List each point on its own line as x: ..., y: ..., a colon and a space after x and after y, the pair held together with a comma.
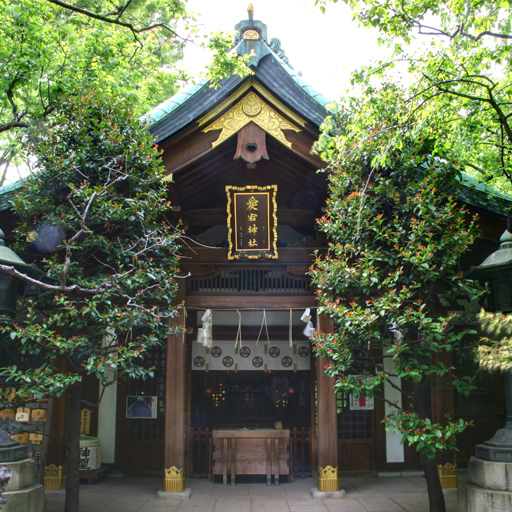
x: 241, y: 392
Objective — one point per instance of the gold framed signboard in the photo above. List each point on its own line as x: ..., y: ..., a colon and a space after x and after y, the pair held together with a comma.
x: 252, y: 222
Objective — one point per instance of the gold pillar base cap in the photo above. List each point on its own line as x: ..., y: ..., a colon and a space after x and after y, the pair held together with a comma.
x: 54, y: 477
x: 448, y: 476
x: 174, y: 479
x: 328, y: 479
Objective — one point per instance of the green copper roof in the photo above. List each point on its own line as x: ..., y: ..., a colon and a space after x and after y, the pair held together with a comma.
x: 173, y: 102
x: 483, y: 196
x: 7, y: 192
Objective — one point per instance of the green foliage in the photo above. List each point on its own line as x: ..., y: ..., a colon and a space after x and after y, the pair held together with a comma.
x: 9, y: 426
x: 427, y: 437
x: 459, y: 66
x: 52, y: 48
x: 93, y: 215
x: 226, y: 61
x: 390, y: 277
x: 48, y: 50
x: 496, y: 352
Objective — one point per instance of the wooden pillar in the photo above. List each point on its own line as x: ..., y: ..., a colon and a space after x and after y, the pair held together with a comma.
x: 174, y: 447
x: 327, y: 445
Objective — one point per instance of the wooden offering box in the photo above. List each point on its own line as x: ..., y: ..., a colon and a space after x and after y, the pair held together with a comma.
x: 250, y: 452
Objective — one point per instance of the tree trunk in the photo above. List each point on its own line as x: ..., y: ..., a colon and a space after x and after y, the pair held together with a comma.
x: 434, y: 489
x: 73, y: 441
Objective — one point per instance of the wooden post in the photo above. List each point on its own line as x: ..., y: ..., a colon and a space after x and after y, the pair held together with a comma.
x: 327, y: 447
x: 174, y: 449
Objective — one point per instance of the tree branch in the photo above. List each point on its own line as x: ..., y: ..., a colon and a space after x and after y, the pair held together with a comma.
x: 115, y: 21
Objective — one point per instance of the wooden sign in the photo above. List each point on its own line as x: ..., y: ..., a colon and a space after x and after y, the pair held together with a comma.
x: 8, y: 414
x: 252, y: 222
x: 85, y: 421
x: 35, y: 438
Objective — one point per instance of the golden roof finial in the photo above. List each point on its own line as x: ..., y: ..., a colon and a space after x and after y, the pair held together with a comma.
x: 250, y: 10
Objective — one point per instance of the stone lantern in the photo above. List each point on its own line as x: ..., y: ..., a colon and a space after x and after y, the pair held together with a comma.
x: 11, y: 451
x: 489, y: 484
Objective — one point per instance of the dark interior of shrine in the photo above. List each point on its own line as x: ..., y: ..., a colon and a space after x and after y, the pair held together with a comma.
x: 251, y: 399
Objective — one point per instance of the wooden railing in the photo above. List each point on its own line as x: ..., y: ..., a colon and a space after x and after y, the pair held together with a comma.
x: 198, y: 451
x: 302, y: 449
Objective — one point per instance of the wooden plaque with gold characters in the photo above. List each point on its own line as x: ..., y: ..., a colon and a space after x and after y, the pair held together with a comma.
x: 252, y: 222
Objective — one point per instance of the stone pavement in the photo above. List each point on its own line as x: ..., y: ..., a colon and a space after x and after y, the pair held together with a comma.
x: 364, y: 494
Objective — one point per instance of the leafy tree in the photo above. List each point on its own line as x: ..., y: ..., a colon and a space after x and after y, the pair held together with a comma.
x: 50, y: 48
x: 93, y: 218
x: 496, y: 352
x: 396, y: 235
x: 460, y: 70
x: 462, y: 76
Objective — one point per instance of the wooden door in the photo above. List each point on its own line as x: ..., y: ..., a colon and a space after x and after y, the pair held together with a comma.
x: 356, y: 440
x: 141, y: 440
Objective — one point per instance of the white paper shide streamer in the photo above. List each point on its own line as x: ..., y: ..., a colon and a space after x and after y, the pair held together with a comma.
x: 309, y: 330
x: 204, y: 333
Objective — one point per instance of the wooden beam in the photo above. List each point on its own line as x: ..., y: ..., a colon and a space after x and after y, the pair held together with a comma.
x: 326, y: 408
x: 179, y: 157
x: 218, y: 256
x: 174, y: 441
x: 244, y: 302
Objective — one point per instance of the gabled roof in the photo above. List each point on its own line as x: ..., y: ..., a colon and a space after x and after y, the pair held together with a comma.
x: 270, y: 69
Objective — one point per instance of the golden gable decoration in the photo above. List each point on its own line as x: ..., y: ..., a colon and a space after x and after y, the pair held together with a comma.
x: 251, y: 108
x: 251, y: 35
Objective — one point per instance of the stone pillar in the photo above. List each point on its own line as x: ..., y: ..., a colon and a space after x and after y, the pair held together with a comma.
x: 394, y: 446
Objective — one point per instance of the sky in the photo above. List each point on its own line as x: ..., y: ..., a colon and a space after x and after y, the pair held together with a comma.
x: 326, y: 48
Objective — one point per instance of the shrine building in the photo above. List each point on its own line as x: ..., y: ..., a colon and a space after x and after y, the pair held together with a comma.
x: 241, y: 391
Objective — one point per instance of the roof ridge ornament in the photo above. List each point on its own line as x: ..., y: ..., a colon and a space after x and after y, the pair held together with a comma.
x: 275, y: 46
x: 250, y: 12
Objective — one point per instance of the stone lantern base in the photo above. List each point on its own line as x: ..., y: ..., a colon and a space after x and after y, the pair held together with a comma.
x: 22, y: 492
x: 489, y: 487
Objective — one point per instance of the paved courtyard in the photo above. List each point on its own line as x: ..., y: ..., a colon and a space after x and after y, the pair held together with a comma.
x: 368, y: 494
